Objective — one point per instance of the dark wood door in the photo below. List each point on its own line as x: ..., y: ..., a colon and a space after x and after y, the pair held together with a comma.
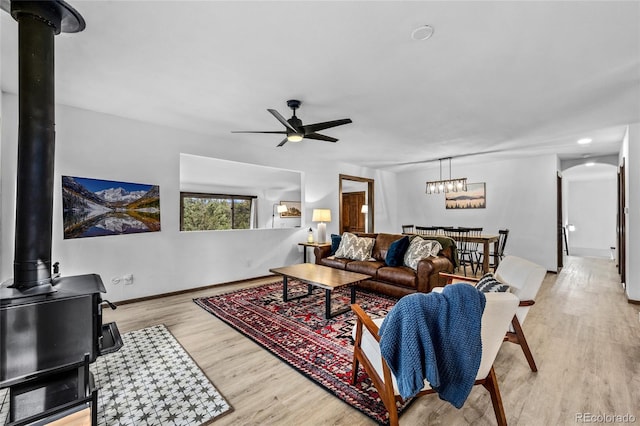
x: 353, y: 218
x: 621, y: 237
x: 560, y: 232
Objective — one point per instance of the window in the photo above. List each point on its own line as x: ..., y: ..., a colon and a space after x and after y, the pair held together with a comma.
x: 204, y: 212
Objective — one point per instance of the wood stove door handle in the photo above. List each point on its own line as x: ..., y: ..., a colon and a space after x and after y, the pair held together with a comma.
x: 111, y: 305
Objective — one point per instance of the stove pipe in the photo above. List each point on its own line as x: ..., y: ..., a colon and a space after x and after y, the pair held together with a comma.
x: 38, y: 22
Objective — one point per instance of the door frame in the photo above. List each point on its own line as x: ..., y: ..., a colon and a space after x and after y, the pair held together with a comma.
x: 370, y: 199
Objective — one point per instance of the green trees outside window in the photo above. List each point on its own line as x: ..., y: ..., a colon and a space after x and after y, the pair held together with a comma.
x: 205, y: 212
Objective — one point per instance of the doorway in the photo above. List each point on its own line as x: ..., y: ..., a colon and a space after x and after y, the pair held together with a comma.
x: 590, y: 210
x: 353, y: 193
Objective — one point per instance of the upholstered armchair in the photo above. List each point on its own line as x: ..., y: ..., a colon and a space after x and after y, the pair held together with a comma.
x: 524, y: 279
x: 498, y: 312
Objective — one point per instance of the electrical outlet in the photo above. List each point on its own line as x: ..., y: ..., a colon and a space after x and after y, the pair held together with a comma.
x: 115, y: 280
x: 128, y: 279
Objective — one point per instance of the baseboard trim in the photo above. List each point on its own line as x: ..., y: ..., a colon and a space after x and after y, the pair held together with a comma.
x: 189, y: 290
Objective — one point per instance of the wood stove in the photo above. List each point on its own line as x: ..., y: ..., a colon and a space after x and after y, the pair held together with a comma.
x: 50, y: 326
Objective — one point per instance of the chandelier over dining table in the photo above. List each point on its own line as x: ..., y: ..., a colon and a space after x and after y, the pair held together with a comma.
x: 446, y: 185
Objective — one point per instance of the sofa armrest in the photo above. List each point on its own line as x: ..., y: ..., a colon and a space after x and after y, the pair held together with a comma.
x: 321, y: 251
x: 428, y: 273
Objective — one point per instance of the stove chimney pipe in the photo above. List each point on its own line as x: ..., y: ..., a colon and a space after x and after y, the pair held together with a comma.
x: 38, y: 22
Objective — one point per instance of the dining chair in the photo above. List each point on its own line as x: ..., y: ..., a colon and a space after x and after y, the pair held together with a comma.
x: 408, y: 229
x: 498, y: 311
x: 426, y: 230
x: 524, y: 279
x: 503, y: 234
x: 465, y: 256
x: 474, y: 250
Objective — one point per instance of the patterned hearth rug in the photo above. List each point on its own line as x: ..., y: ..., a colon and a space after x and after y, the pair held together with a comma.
x: 297, y: 332
x: 152, y: 380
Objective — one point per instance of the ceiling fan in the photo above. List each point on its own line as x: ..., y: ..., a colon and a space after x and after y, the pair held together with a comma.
x: 296, y: 131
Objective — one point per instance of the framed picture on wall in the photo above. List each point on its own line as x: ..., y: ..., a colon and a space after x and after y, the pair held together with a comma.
x: 95, y: 207
x: 474, y: 197
x: 294, y: 209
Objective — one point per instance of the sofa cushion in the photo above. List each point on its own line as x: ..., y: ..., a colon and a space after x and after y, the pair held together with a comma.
x: 365, y: 267
x: 418, y: 250
x: 354, y: 247
x: 397, y: 249
x: 399, y: 275
x: 334, y: 262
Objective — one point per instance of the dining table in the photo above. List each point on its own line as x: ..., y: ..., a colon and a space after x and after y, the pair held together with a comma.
x: 486, y: 240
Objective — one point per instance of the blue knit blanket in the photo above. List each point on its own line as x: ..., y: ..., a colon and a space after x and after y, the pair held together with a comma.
x: 435, y: 336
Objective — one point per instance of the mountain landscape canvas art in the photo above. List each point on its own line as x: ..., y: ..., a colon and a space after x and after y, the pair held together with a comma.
x: 473, y: 198
x: 95, y: 207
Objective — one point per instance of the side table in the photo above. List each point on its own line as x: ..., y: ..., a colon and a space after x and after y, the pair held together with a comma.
x: 307, y: 245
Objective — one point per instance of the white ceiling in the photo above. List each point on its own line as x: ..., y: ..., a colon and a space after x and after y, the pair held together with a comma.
x: 503, y: 78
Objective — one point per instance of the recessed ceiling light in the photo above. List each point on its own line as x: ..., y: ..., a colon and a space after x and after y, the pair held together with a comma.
x: 423, y: 32
x: 584, y: 141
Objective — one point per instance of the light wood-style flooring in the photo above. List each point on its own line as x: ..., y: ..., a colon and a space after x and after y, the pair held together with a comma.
x: 584, y: 335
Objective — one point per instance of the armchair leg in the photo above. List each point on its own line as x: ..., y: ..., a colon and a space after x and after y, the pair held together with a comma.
x: 491, y: 384
x: 354, y: 369
x: 518, y: 337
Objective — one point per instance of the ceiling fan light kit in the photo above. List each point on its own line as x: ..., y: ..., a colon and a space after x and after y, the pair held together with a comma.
x: 446, y: 185
x: 295, y: 131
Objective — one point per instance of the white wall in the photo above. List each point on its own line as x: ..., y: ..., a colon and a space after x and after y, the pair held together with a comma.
x: 520, y: 194
x: 591, y: 208
x: 101, y: 146
x: 631, y: 153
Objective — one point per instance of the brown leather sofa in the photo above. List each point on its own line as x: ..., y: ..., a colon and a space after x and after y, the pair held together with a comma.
x: 396, y: 281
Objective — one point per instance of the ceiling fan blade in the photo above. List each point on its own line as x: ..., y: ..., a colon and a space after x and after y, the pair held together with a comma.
x: 283, y: 142
x: 319, y: 137
x: 283, y: 120
x: 311, y: 128
x: 249, y: 131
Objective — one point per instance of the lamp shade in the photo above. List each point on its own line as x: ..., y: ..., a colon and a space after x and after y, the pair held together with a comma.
x: 321, y: 215
x: 365, y: 209
x: 281, y: 208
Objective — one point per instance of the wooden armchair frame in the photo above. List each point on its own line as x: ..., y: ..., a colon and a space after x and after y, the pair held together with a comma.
x: 384, y: 384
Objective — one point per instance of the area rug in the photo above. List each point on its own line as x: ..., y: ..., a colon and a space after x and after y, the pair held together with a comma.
x: 297, y: 333
x: 152, y: 380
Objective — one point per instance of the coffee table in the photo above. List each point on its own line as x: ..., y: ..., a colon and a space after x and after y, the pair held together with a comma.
x: 320, y: 276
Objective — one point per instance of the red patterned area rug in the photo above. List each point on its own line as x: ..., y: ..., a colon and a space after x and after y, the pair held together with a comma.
x: 297, y: 332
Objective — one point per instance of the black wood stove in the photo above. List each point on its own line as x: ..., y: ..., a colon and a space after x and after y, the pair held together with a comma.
x: 50, y: 326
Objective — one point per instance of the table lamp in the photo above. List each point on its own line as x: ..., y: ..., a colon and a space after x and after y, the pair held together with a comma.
x: 281, y: 208
x: 365, y: 211
x: 322, y: 216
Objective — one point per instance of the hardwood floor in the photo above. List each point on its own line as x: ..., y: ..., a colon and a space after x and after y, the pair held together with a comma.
x: 584, y: 336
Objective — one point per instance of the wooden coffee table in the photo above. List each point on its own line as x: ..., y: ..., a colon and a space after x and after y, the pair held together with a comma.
x: 323, y: 277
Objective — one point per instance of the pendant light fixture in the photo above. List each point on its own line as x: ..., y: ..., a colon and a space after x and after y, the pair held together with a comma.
x: 446, y: 185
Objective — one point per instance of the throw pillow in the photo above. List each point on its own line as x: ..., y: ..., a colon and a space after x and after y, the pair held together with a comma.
x: 354, y: 247
x: 436, y: 248
x: 335, y: 243
x: 397, y: 249
x: 488, y: 283
x: 418, y: 250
